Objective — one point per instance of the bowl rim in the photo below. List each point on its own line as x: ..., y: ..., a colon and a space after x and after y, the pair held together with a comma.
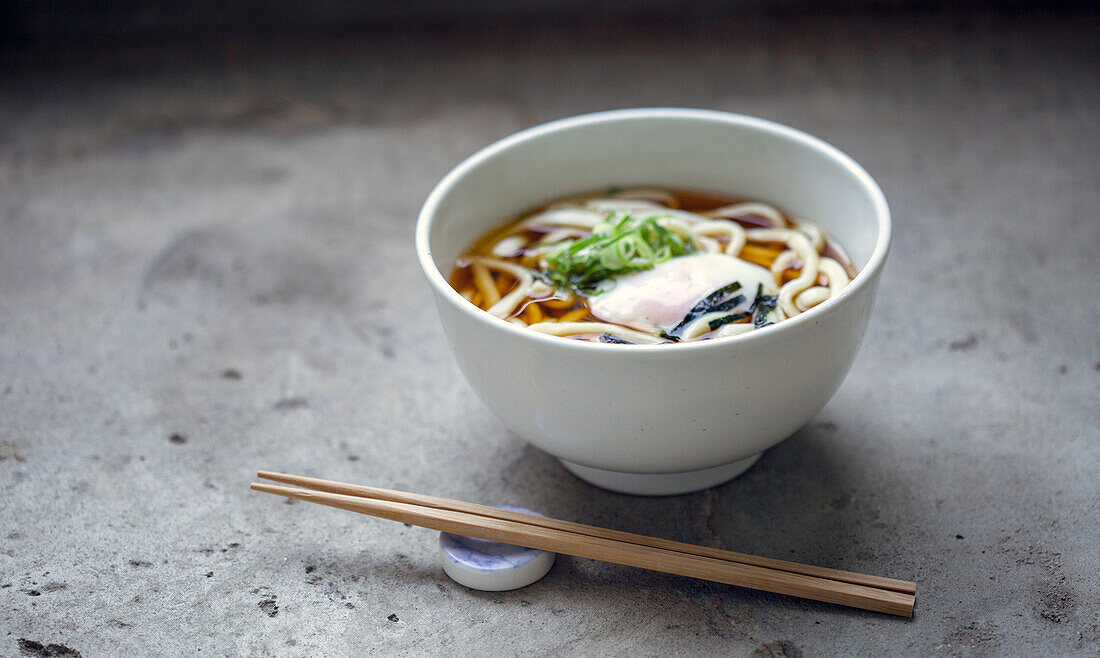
x: 865, y: 277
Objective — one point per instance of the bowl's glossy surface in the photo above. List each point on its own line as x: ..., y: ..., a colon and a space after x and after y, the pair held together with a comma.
x: 657, y: 419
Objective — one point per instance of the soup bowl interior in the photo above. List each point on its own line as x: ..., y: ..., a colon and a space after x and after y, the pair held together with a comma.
x: 657, y: 419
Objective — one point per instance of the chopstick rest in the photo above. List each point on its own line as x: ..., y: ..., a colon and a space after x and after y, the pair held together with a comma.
x: 492, y: 566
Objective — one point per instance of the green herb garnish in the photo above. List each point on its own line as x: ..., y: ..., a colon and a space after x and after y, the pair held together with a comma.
x: 619, y: 245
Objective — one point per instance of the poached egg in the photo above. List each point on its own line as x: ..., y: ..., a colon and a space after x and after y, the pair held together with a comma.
x: 659, y: 298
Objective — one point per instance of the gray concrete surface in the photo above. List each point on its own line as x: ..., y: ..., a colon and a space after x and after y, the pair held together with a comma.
x: 206, y: 268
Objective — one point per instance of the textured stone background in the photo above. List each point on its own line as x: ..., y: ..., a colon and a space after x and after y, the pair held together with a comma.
x: 206, y: 268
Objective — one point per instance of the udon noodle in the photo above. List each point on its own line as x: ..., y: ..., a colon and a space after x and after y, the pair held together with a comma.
x: 648, y: 266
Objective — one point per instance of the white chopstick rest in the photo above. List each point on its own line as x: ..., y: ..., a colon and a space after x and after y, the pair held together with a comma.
x: 492, y: 566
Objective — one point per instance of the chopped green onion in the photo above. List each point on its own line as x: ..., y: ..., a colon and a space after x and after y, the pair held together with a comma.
x: 621, y: 244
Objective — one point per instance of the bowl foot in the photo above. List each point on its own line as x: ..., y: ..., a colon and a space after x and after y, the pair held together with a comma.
x: 660, y: 484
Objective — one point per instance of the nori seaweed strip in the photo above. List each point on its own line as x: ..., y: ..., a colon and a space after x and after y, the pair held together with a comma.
x: 608, y: 338
x: 719, y: 300
x: 729, y: 304
x: 761, y: 306
x: 714, y: 297
x: 727, y: 319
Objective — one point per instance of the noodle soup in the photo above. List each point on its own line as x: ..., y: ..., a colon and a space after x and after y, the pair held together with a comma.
x: 651, y: 266
x: 679, y: 416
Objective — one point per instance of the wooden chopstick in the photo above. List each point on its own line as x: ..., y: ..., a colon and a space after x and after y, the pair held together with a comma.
x: 878, y: 582
x: 610, y: 550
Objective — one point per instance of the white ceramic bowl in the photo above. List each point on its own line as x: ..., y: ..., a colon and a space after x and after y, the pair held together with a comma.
x: 657, y: 419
